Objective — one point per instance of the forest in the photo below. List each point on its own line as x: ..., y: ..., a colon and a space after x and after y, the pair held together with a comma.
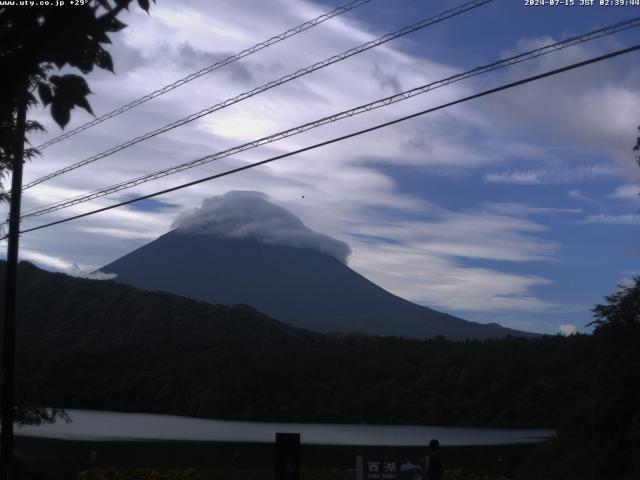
x: 100, y: 345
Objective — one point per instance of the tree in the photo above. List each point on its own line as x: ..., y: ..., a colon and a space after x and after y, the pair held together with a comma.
x: 609, y: 420
x: 36, y: 41
x: 622, y: 308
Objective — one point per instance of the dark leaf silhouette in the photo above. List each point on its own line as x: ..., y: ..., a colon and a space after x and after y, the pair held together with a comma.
x: 36, y: 40
x: 74, y: 84
x: 144, y: 4
x: 61, y: 113
x: 115, y: 25
x: 103, y: 60
x: 70, y: 90
x: 83, y: 103
x: 100, y: 36
x: 45, y: 93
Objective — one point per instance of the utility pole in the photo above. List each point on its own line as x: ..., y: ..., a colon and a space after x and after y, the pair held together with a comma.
x: 9, y: 324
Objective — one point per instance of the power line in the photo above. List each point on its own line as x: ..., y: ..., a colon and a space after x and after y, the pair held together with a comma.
x: 233, y: 58
x: 345, y: 114
x: 267, y: 86
x: 529, y: 55
x: 350, y: 135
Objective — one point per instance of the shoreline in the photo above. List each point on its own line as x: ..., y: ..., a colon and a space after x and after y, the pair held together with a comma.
x: 92, y: 426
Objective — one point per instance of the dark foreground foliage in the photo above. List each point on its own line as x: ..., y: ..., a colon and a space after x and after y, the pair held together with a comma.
x: 38, y: 40
x: 599, y: 434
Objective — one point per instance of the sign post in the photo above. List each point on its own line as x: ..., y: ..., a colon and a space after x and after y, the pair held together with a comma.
x: 287, y: 456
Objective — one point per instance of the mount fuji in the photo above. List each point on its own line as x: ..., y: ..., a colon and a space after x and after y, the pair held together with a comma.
x: 239, y: 248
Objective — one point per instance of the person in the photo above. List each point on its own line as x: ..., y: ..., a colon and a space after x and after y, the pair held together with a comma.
x: 434, y: 467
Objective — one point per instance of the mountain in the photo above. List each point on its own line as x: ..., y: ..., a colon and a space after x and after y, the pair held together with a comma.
x: 281, y: 268
x: 58, y: 312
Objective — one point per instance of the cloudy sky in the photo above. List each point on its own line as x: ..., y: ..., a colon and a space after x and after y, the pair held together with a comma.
x: 518, y: 208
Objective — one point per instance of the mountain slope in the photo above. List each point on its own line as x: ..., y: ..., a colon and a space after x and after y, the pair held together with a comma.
x: 300, y: 286
x: 56, y: 311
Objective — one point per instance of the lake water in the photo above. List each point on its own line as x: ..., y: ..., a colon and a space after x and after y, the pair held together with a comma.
x: 91, y: 425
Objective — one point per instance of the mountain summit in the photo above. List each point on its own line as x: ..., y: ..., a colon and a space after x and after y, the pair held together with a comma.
x: 239, y: 248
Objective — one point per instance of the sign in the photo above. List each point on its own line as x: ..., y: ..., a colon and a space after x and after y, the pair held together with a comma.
x: 379, y: 468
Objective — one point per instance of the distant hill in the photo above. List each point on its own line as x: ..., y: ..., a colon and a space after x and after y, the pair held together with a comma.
x: 56, y: 311
x: 300, y: 286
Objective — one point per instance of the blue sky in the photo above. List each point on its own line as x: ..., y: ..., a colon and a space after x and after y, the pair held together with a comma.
x: 519, y: 208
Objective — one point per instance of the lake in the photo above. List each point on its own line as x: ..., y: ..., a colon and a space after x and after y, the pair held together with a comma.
x: 88, y: 425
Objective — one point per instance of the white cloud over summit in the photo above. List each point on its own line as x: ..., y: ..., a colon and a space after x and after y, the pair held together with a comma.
x: 249, y: 215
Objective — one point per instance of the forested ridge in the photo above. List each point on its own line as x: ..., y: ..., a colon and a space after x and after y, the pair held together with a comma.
x: 373, y: 380
x: 101, y: 345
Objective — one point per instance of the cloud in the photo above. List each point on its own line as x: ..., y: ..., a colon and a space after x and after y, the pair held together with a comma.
x: 44, y: 260
x: 529, y: 177
x: 186, y: 57
x: 627, y: 192
x: 568, y: 329
x: 586, y: 104
x: 389, y: 83
x: 51, y: 262
x: 120, y: 233
x: 248, y: 215
x: 442, y: 280
x: 553, y: 175
x: 481, y: 234
x: 578, y: 195
x: 77, y: 271
x: 432, y: 261
x: 520, y: 209
x: 611, y: 219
